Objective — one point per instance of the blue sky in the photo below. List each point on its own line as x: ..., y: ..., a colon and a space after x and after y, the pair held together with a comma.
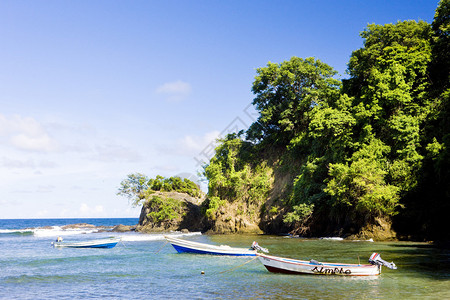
x: 91, y: 91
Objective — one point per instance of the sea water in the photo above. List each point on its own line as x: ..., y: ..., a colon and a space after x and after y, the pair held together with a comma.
x: 144, y: 266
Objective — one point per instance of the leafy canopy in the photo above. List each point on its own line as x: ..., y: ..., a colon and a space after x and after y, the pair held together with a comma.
x: 138, y: 187
x: 285, y: 92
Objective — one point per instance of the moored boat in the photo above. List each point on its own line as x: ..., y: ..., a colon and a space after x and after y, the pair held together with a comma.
x: 293, y: 266
x: 183, y: 246
x: 100, y: 243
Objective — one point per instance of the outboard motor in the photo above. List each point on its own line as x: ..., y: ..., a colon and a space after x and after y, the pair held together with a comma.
x: 375, y: 259
x: 257, y: 247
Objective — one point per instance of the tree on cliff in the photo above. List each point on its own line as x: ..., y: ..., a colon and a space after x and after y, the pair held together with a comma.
x: 134, y: 187
x: 234, y: 174
x: 388, y: 84
x: 427, y: 205
x: 285, y: 93
x: 137, y: 187
x: 167, y: 203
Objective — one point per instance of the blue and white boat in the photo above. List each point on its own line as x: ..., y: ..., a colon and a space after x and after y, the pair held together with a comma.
x: 183, y: 246
x: 100, y: 243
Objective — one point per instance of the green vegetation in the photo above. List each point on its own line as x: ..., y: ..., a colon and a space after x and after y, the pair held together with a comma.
x: 327, y: 156
x: 134, y: 188
x: 164, y: 209
x: 371, y: 147
x: 138, y: 187
x: 299, y: 216
x: 174, y: 184
x: 212, y: 205
x: 232, y: 176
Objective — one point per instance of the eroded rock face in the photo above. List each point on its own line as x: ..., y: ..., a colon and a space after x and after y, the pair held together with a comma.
x: 235, y: 218
x: 238, y: 217
x: 235, y: 225
x: 381, y: 230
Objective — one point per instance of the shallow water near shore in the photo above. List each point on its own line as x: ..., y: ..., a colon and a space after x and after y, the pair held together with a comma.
x: 144, y: 266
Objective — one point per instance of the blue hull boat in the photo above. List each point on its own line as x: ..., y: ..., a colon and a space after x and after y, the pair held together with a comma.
x: 184, y: 246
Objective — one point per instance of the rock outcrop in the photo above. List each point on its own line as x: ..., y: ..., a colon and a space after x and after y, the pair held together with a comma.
x: 171, y: 211
x: 234, y: 218
x: 123, y: 228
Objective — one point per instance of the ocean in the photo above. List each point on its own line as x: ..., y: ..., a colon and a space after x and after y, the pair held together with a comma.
x: 144, y: 266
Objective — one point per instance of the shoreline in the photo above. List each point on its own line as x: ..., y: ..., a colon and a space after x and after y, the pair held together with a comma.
x: 84, y: 227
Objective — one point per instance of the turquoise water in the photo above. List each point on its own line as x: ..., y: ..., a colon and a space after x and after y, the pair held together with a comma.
x: 143, y: 266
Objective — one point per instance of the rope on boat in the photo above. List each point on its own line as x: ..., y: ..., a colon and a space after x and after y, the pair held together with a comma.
x: 161, y: 247
x: 234, y: 268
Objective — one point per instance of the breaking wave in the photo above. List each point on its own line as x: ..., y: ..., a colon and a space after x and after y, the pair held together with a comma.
x: 140, y: 237
x: 16, y: 232
x: 51, y: 231
x: 55, y: 231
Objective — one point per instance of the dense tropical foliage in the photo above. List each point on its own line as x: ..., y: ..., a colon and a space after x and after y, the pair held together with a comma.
x: 366, y: 154
x: 333, y: 156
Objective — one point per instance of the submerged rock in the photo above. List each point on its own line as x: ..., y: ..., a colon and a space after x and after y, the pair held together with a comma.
x: 123, y: 228
x: 78, y: 225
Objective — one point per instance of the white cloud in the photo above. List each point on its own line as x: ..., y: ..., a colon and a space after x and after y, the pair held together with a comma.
x: 17, y: 163
x: 25, y: 134
x: 11, y: 163
x: 98, y: 208
x: 114, y: 153
x: 86, y: 210
x: 42, y: 213
x: 41, y: 142
x: 47, y: 164
x: 175, y: 91
x: 196, y: 144
x: 65, y: 213
x: 45, y: 188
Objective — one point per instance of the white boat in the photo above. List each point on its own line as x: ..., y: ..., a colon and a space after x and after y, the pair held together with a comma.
x: 100, y: 243
x: 292, y: 266
x: 183, y: 246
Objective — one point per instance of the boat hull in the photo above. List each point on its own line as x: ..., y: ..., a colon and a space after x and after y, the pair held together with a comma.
x: 184, y: 246
x: 107, y: 243
x: 291, y: 266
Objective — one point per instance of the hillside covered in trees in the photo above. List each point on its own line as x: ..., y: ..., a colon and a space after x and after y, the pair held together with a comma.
x: 363, y: 157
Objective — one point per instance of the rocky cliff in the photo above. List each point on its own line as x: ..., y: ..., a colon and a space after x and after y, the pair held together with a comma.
x: 167, y: 211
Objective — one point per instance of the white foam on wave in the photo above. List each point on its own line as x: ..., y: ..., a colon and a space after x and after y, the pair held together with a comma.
x: 140, y: 237
x: 15, y: 230
x: 369, y: 240
x: 332, y: 238
x: 58, y: 231
x: 55, y: 231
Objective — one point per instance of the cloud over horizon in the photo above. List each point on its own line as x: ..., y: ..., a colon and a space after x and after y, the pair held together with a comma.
x: 25, y: 133
x: 175, y: 91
